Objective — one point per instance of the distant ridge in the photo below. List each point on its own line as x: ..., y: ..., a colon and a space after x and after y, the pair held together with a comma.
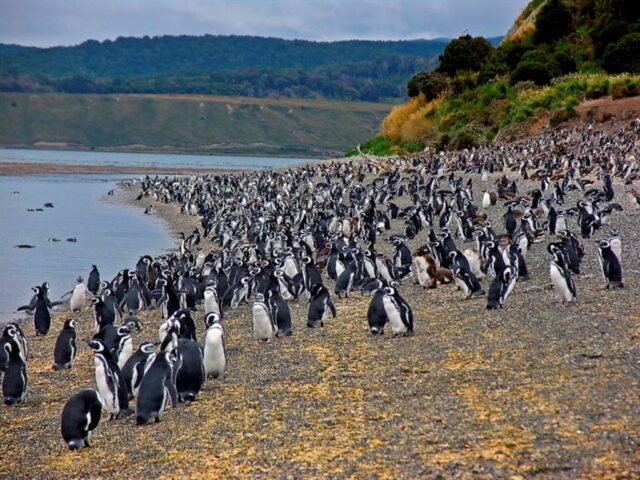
x: 223, y: 65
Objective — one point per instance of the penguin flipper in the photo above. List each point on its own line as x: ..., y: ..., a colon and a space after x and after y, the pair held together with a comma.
x: 23, y: 308
x: 54, y: 304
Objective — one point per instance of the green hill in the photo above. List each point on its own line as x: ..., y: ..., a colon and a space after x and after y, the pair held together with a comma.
x: 558, y: 54
x: 221, y: 65
x: 294, y: 127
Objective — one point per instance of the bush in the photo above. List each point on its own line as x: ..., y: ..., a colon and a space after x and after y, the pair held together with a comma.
x: 559, y: 116
x: 597, y: 88
x: 536, y: 72
x: 465, y: 53
x: 553, y: 22
x: 463, y: 138
x: 430, y: 84
x: 565, y: 62
x: 623, y: 56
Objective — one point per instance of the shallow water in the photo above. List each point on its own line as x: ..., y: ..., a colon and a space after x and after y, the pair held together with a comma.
x: 57, y: 157
x: 109, y: 234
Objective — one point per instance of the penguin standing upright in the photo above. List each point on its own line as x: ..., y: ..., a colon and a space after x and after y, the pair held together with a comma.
x: 78, y: 296
x: 12, y: 331
x: 40, y: 310
x: 14, y: 378
x: 510, y: 223
x: 64, y: 351
x: 214, y: 355
x: 561, y: 275
x: 398, y: 312
x: 109, y: 380
x: 280, y: 312
x: 93, y: 282
x: 133, y: 370
x: 80, y: 417
x: 264, y: 325
x: 610, y: 265
x: 376, y: 313
x: 190, y: 373
x: 320, y: 305
x: 501, y: 287
x: 124, y: 348
x: 157, y: 388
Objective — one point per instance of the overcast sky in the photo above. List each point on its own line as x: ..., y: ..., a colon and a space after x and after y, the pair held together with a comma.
x: 69, y: 22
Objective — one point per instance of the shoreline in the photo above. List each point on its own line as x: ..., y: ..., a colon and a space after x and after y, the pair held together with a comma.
x: 42, y: 168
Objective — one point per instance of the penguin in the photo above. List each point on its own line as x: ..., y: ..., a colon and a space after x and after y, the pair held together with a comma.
x: 561, y: 276
x: 280, y: 312
x: 78, y: 296
x: 133, y: 370
x: 501, y: 287
x: 40, y: 310
x: 398, y: 312
x: 64, y: 351
x: 320, y: 304
x: 156, y: 389
x: 132, y: 322
x: 215, y: 354
x: 190, y: 373
x: 376, y: 313
x: 80, y: 417
x: 212, y: 301
x: 14, y: 378
x: 346, y: 280
x: 510, y: 223
x: 466, y: 281
x: 110, y: 381
x: 264, y: 325
x: 609, y: 265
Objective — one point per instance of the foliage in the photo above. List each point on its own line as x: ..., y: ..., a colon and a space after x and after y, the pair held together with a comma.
x: 222, y: 65
x: 624, y: 55
x: 553, y: 22
x: 463, y: 54
x: 410, y: 121
x: 430, y: 84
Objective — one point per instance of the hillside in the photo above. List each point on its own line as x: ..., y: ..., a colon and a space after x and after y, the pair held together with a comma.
x: 292, y: 127
x: 222, y: 65
x: 558, y: 55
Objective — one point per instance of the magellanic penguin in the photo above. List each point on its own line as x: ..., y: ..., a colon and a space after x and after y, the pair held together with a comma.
x: 190, y: 374
x: 78, y: 294
x: 134, y: 369
x: 12, y: 331
x: 156, y: 390
x: 398, y: 312
x: 264, y: 325
x: 376, y: 313
x: 501, y: 287
x: 110, y: 381
x: 80, y: 417
x: 280, y: 312
x: 610, y: 265
x: 214, y: 355
x: 64, y: 351
x: 40, y: 309
x: 320, y: 305
x: 561, y: 275
x: 14, y: 378
x: 93, y: 282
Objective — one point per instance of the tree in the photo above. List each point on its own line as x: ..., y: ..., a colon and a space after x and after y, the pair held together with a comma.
x: 622, y: 56
x: 532, y: 70
x: 553, y: 22
x: 463, y: 54
x: 431, y: 84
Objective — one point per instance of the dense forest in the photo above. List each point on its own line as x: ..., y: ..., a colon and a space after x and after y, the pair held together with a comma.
x: 222, y: 65
x: 558, y: 54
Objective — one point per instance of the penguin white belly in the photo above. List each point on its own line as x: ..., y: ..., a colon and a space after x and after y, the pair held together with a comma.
x: 560, y: 284
x: 125, y: 354
x: 110, y: 400
x: 290, y: 268
x: 214, y: 358
x: 420, y: 265
x: 397, y: 326
x: 210, y: 304
x: 262, y: 328
x: 339, y: 268
x: 463, y: 286
x: 486, y: 200
x: 474, y: 262
x: 561, y: 225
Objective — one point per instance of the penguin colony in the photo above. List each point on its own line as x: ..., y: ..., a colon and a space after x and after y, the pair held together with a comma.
x: 312, y: 234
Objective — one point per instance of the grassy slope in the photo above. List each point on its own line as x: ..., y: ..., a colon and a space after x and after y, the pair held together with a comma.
x: 187, y: 123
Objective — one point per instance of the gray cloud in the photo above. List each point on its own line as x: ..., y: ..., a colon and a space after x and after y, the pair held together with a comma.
x: 68, y: 22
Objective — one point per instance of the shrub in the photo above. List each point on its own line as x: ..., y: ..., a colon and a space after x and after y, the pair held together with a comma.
x: 597, y: 88
x: 553, y: 22
x: 537, y: 72
x: 430, y: 84
x: 622, y: 56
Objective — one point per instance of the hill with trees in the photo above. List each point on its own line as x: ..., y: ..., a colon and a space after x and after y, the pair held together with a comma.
x: 558, y: 54
x: 222, y: 65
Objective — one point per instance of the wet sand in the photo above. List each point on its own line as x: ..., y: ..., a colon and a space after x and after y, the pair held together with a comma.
x: 37, y: 168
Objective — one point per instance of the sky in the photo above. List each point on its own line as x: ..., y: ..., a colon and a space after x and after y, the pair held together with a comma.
x: 68, y: 22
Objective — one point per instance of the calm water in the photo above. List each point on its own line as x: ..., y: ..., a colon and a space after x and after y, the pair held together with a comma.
x: 108, y: 234
x: 144, y: 159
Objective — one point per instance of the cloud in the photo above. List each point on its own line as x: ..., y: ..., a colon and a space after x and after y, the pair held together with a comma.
x: 67, y: 22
